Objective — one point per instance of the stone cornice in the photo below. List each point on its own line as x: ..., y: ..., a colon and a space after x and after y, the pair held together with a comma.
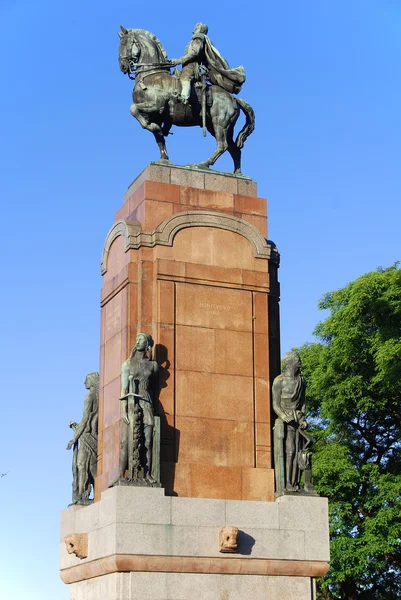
x: 163, y: 235
x: 120, y: 563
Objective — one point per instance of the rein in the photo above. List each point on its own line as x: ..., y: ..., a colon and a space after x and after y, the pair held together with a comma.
x: 144, y: 67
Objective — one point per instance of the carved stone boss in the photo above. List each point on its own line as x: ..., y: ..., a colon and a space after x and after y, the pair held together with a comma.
x: 77, y: 543
x: 228, y: 539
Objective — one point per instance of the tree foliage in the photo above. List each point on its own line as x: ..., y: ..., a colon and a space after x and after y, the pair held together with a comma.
x: 353, y: 379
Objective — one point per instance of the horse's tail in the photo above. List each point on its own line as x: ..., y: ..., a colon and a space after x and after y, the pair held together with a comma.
x: 249, y: 123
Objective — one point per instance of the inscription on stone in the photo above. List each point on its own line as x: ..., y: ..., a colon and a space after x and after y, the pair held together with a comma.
x: 215, y: 309
x: 113, y: 320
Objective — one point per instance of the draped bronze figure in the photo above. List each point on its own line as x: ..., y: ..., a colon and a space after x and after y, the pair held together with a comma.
x: 139, y: 455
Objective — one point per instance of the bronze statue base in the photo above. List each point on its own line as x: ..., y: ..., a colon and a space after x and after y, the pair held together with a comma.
x: 136, y: 483
x: 300, y: 492
x: 199, y: 167
x: 82, y: 502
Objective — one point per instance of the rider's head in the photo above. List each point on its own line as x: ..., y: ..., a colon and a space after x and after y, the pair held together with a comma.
x: 201, y: 28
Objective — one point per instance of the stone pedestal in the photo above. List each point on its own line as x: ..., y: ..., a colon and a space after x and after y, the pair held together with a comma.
x: 143, y: 544
x: 188, y: 262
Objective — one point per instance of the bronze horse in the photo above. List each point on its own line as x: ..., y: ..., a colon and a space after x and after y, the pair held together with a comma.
x: 156, y: 99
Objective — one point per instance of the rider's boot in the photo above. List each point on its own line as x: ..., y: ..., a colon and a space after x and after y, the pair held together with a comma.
x: 185, y: 91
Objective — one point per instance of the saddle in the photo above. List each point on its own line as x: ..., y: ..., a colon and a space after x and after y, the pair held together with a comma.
x: 209, y: 94
x: 196, y: 88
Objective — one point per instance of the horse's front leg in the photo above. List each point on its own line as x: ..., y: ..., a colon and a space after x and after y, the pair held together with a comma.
x: 161, y: 142
x: 142, y: 113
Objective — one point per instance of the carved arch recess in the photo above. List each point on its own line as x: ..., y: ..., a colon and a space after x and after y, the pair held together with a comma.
x: 164, y: 234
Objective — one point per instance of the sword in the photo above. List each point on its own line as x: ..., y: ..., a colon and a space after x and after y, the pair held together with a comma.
x: 131, y: 395
x: 204, y: 104
x: 130, y: 411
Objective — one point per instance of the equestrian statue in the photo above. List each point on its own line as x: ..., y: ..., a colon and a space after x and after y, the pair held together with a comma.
x: 201, y: 94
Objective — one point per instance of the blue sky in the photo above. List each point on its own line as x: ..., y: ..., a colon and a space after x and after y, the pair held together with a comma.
x: 324, y: 80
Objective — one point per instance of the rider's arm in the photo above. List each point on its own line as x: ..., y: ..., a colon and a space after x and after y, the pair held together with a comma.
x: 192, y: 52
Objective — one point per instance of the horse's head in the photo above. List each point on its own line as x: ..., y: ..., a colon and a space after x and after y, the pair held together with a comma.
x: 129, y: 50
x: 137, y: 47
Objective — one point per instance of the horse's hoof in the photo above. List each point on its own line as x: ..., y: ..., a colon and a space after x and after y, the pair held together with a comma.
x: 198, y: 166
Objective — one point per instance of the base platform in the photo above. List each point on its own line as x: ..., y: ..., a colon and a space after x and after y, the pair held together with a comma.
x: 143, y: 544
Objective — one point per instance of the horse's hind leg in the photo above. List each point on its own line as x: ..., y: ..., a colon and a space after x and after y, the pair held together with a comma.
x: 223, y: 114
x: 236, y: 156
x: 220, y: 133
x: 234, y: 151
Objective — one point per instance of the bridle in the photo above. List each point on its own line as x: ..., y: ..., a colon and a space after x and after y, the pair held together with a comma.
x: 145, y: 67
x: 134, y: 69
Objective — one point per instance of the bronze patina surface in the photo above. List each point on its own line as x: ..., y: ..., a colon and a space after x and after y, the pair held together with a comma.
x: 201, y: 94
x: 292, y: 454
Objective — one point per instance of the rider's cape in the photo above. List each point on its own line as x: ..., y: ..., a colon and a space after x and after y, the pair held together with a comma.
x: 220, y: 72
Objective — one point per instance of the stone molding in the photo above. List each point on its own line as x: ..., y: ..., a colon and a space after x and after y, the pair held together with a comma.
x: 203, y: 179
x: 164, y: 234
x: 120, y: 563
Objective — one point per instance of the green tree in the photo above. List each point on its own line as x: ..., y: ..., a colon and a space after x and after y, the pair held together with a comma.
x: 353, y: 379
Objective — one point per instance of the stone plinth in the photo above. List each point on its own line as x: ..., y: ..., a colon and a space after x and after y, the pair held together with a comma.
x: 187, y: 261
x: 143, y: 544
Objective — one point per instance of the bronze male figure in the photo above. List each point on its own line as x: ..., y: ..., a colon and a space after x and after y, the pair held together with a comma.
x: 291, y: 444
x: 201, y: 52
x: 84, y: 462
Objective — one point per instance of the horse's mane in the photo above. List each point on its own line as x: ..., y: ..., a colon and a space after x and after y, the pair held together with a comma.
x: 146, y: 38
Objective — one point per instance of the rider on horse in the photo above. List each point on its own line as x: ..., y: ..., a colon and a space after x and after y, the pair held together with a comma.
x: 200, y: 51
x: 142, y: 57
